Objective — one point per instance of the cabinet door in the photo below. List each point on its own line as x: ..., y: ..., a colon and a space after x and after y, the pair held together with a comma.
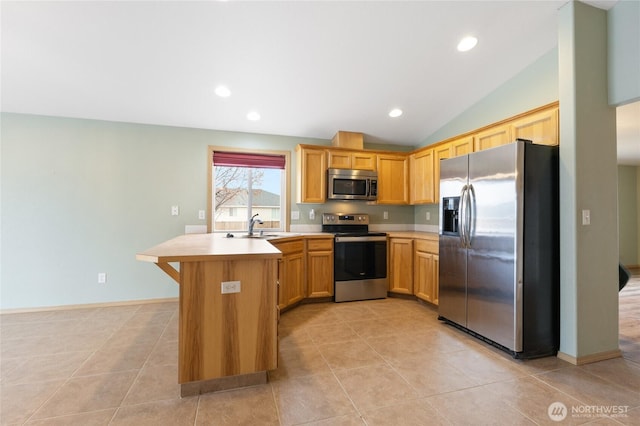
x: 393, y: 179
x: 294, y: 277
x: 436, y: 279
x: 422, y: 275
x: 320, y: 273
x: 492, y: 137
x: 440, y: 152
x: 311, y: 175
x: 401, y: 265
x: 461, y: 146
x: 320, y: 267
x: 291, y: 272
x: 425, y: 278
x: 364, y: 161
x: 339, y: 159
x: 421, y: 177
x: 541, y: 127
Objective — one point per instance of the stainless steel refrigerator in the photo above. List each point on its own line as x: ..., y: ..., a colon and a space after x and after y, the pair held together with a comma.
x: 499, y: 247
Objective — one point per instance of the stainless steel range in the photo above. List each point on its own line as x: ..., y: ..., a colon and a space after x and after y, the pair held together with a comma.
x: 360, y: 257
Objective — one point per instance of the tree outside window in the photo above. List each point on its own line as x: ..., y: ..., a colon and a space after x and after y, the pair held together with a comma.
x: 239, y: 192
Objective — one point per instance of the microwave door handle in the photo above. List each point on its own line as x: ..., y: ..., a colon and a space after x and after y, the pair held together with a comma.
x: 368, y: 188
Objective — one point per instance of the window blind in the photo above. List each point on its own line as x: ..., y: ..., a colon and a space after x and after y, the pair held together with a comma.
x: 242, y: 159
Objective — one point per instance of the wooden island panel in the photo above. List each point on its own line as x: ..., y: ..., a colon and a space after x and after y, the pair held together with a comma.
x: 224, y: 340
x: 227, y: 334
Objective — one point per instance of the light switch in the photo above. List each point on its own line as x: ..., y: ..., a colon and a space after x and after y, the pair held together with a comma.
x: 385, y: 215
x: 175, y: 210
x: 295, y: 215
x: 586, y: 217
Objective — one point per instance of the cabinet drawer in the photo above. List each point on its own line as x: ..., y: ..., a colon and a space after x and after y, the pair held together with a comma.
x: 289, y: 246
x: 429, y: 246
x: 321, y: 244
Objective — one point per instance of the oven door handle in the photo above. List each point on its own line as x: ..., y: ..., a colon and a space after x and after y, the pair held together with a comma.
x: 358, y: 239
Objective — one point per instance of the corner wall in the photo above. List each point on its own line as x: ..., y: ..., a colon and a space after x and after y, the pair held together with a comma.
x: 588, y: 181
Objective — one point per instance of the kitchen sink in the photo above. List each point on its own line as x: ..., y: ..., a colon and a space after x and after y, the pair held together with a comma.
x: 258, y: 236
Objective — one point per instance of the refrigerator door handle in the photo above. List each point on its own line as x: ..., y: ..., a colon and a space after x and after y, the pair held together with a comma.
x: 471, y: 214
x: 462, y: 213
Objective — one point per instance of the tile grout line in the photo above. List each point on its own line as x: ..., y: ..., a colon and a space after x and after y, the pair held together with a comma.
x: 133, y: 382
x: 68, y: 379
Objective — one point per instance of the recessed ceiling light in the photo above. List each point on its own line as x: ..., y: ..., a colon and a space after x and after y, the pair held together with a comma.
x: 223, y: 91
x: 467, y: 43
x: 396, y: 112
x: 253, y: 116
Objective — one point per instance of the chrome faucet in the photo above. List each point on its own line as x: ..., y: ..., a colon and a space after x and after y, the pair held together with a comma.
x: 252, y: 223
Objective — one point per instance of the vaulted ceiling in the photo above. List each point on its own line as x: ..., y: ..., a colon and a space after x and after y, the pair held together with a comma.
x: 308, y: 68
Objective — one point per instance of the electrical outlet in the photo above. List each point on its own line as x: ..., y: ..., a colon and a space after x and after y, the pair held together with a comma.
x: 295, y: 215
x: 102, y: 277
x: 428, y: 215
x: 230, y: 287
x: 385, y: 215
x: 201, y: 214
x: 175, y: 210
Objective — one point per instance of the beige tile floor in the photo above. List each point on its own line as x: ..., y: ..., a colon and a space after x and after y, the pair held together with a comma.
x: 385, y: 362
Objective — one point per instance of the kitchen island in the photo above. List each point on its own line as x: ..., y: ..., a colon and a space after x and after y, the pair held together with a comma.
x: 227, y: 309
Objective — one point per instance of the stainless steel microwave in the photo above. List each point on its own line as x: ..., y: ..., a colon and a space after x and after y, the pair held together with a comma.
x: 343, y: 184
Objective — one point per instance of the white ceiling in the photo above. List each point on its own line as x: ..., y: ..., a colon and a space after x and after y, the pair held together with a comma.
x: 309, y: 68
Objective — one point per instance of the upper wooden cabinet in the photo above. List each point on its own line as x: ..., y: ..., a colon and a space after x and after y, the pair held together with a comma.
x: 311, y: 174
x: 461, y: 146
x: 540, y: 127
x: 440, y: 152
x: 421, y: 177
x: 363, y: 160
x: 492, y: 137
x: 393, y: 179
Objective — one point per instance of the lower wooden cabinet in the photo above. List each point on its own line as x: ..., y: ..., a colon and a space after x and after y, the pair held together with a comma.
x: 425, y: 270
x: 291, y: 272
x: 319, y: 267
x: 401, y: 265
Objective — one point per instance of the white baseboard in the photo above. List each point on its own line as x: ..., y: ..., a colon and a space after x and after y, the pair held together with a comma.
x: 87, y: 305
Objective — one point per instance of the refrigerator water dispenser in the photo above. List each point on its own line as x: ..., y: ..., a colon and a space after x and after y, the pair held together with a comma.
x: 450, y: 215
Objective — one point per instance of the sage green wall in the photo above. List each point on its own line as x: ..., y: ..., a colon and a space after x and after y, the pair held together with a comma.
x: 628, y: 219
x: 82, y: 196
x: 624, y: 52
x: 588, y: 180
x: 535, y: 85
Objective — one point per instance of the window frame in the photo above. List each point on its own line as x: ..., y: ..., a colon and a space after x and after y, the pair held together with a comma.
x: 286, y: 190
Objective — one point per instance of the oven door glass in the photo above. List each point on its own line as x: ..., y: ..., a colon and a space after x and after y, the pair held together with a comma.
x: 360, y: 260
